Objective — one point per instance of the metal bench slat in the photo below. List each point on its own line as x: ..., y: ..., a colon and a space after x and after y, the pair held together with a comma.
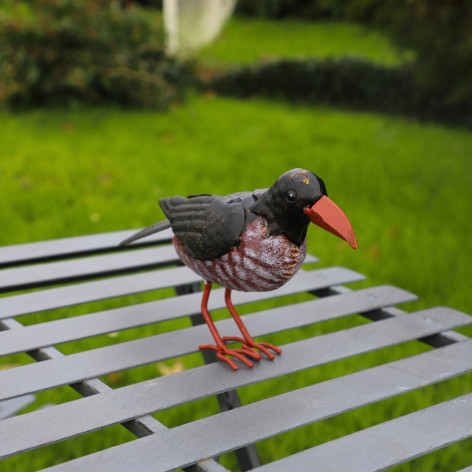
x: 42, y: 300
x: 78, y: 269
x: 10, y: 407
x: 188, y: 443
x: 445, y: 423
x: 97, y: 362
x: 85, y: 415
x: 73, y: 246
x: 63, y: 330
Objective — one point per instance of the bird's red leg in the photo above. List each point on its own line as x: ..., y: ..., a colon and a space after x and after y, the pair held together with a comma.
x: 247, y: 340
x: 221, y: 349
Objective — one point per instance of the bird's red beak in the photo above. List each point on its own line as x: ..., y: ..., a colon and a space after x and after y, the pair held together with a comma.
x: 327, y: 215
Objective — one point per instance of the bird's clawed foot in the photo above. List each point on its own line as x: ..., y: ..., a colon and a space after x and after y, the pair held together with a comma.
x: 251, y: 345
x: 248, y: 348
x: 222, y: 351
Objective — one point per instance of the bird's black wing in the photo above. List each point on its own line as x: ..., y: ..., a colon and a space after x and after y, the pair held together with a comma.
x: 207, y: 225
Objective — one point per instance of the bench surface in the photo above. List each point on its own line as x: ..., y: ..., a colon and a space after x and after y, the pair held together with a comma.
x: 48, y: 310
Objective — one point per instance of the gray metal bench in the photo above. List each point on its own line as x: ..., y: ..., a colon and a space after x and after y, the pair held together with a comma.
x: 59, y: 274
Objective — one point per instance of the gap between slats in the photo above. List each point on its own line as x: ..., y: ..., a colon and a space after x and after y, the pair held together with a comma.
x: 41, y: 275
x: 83, y: 268
x: 86, y: 292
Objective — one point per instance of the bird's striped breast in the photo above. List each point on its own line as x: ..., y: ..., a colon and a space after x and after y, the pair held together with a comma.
x: 259, y: 263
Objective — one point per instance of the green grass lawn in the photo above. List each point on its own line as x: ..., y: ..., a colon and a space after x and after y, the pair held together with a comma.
x: 406, y: 187
x: 244, y: 41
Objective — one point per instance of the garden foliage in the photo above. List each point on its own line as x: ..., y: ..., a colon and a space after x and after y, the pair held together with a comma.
x: 345, y: 82
x: 91, y: 51
x: 439, y: 32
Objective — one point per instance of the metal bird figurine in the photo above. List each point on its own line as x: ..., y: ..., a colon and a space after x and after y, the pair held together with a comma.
x: 249, y: 241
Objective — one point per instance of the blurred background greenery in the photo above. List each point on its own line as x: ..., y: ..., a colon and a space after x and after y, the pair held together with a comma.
x: 98, y: 123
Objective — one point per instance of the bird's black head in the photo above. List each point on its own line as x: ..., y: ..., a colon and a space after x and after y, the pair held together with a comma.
x: 296, y: 190
x: 296, y: 198
x: 284, y: 202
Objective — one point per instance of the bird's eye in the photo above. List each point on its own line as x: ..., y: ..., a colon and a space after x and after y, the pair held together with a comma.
x: 291, y: 195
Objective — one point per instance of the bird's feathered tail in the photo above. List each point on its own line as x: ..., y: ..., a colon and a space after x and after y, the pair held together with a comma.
x: 155, y: 228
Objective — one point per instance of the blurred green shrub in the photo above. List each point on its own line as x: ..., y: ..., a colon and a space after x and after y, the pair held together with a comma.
x: 276, y: 9
x: 312, y: 9
x: 438, y: 31
x: 346, y: 82
x: 55, y: 52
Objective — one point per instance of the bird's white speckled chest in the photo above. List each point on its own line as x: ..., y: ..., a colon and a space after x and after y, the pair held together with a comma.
x: 259, y: 264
